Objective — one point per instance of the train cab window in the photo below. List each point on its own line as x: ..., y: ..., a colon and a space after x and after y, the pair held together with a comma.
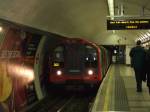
x: 58, y: 57
x: 91, y: 57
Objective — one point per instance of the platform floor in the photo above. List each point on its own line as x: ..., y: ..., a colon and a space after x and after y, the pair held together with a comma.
x: 118, y: 92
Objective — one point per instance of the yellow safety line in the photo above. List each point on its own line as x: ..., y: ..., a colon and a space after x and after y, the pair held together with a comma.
x: 108, y: 94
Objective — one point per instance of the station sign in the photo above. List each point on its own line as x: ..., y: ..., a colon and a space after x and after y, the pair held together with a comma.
x: 128, y: 24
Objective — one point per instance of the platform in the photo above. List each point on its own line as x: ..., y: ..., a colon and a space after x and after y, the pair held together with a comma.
x: 118, y: 92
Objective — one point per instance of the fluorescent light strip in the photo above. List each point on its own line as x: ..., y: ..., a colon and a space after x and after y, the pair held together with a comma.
x: 144, y: 37
x: 111, y: 8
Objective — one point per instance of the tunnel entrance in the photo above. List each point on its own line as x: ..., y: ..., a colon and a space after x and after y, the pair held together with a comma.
x: 118, y: 53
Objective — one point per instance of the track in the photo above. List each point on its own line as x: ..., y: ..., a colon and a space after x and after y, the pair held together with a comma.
x: 80, y: 103
x: 66, y: 101
x: 59, y: 105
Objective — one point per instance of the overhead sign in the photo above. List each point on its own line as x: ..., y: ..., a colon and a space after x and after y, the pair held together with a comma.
x: 128, y: 24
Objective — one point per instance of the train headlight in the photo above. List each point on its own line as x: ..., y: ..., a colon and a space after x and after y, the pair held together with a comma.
x: 1, y: 28
x: 59, y: 72
x: 90, y: 72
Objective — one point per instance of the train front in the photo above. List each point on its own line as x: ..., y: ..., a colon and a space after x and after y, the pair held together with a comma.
x: 75, y: 63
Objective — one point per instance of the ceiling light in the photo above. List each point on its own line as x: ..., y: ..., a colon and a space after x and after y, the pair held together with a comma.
x: 148, y: 34
x: 111, y: 8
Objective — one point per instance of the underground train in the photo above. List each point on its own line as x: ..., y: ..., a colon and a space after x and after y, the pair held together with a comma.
x: 77, y: 61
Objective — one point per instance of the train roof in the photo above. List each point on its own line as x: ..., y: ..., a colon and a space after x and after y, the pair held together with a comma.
x: 83, y: 41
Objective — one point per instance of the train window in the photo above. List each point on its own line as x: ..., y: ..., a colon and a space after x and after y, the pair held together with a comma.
x: 91, y: 57
x: 58, y: 57
x: 58, y: 53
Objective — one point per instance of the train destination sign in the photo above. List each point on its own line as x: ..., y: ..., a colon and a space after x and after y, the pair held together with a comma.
x: 128, y: 24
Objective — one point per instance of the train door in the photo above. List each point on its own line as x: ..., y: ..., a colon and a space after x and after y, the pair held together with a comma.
x: 74, y: 53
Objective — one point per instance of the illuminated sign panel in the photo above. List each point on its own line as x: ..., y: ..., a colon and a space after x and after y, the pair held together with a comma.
x: 128, y: 24
x: 56, y: 64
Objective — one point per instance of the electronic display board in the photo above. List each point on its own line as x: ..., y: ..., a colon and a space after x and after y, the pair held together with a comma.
x: 128, y: 24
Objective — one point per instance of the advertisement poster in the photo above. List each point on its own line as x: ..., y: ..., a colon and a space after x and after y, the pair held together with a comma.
x: 17, y: 55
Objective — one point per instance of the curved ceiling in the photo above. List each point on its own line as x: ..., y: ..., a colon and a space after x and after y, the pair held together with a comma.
x: 75, y: 18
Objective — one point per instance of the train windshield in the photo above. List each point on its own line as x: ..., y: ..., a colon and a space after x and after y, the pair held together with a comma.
x: 58, y: 56
x: 74, y: 53
x: 91, y: 57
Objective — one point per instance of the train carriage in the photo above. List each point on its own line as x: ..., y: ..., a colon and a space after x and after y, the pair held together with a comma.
x: 77, y: 62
